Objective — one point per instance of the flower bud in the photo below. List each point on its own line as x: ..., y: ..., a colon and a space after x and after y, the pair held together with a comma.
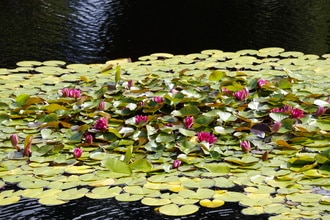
x: 102, y: 105
x: 14, y: 140
x: 77, y: 152
x: 242, y: 94
x: 261, y: 83
x: 246, y: 146
x: 176, y: 164
x: 320, y: 111
x: 188, y: 122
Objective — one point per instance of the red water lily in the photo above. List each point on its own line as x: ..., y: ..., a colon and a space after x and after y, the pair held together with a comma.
x: 297, y: 113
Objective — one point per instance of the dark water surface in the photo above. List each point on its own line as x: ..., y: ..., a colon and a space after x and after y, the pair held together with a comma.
x: 93, y: 31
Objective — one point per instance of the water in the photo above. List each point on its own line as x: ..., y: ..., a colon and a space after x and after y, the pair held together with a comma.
x: 93, y: 31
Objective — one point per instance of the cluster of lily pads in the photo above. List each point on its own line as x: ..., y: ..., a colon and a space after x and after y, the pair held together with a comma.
x: 174, y: 131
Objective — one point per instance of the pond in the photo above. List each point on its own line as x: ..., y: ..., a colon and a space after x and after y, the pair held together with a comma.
x: 93, y: 31
x: 96, y: 31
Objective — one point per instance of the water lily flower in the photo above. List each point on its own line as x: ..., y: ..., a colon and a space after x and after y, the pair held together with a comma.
x: 73, y: 93
x: 176, y: 164
x: 157, y: 99
x: 102, y: 105
x: 141, y: 119
x: 14, y: 141
x: 206, y: 136
x: 188, y: 122
x: 276, y: 126
x: 297, y: 113
x: 261, y: 82
x: 242, y: 94
x: 88, y: 138
x: 77, y: 152
x: 101, y: 124
x: 27, y: 147
x: 245, y: 145
x: 320, y: 111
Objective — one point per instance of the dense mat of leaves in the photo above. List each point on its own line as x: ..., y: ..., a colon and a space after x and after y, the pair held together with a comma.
x: 171, y: 131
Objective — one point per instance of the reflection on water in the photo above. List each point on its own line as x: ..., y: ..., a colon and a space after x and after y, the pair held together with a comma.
x: 97, y: 30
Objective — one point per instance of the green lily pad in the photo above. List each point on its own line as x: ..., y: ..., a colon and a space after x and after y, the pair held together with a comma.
x: 126, y: 197
x: 72, y: 194
x: 155, y: 201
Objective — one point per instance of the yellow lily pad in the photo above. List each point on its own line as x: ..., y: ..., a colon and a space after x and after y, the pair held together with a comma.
x: 215, y: 203
x: 175, y: 210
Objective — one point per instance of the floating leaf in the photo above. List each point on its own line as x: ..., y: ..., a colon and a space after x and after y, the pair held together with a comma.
x: 216, y: 75
x: 117, y: 166
x: 126, y: 197
x: 155, y: 201
x: 175, y: 210
x: 211, y: 203
x: 72, y: 194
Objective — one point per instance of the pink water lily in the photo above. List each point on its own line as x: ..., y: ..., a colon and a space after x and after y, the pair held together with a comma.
x: 73, y: 93
x: 141, y: 119
x: 261, y: 82
x: 206, y: 136
x: 14, y: 141
x: 245, y: 145
x: 242, y: 94
x: 77, y: 152
x: 101, y: 124
x: 188, y: 122
x: 276, y: 126
x: 157, y: 99
x: 320, y: 111
x: 102, y: 106
x: 176, y: 164
x: 88, y: 138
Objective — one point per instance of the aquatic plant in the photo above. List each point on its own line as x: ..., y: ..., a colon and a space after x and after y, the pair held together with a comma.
x: 110, y: 137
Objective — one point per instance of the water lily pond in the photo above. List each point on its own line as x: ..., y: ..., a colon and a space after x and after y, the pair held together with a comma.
x: 178, y: 133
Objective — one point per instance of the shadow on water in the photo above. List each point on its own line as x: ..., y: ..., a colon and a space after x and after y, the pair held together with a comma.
x: 93, y: 31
